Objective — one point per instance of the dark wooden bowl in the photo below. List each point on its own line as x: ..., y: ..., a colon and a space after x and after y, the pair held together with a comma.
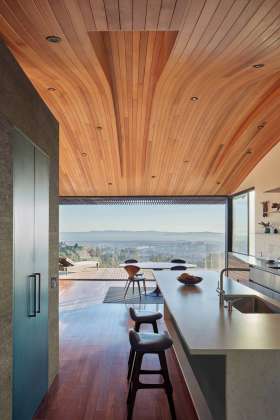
x: 190, y: 281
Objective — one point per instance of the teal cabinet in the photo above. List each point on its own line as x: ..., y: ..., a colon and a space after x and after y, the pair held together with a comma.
x: 31, y: 242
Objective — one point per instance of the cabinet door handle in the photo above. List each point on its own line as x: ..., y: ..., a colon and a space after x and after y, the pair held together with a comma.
x: 32, y: 296
x: 38, y: 275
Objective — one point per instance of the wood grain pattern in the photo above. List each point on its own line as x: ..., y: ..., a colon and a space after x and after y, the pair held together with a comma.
x: 92, y: 383
x: 124, y: 74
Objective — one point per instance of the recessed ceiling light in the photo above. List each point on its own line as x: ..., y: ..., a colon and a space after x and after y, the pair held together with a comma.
x: 194, y: 98
x: 84, y: 154
x: 54, y: 39
x: 52, y: 89
x: 258, y: 66
x: 99, y: 127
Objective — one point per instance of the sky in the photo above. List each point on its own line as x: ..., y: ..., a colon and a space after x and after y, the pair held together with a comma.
x: 166, y: 218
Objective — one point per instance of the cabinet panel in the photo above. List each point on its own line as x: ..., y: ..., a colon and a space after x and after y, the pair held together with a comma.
x: 269, y: 280
x: 30, y: 328
x: 41, y: 252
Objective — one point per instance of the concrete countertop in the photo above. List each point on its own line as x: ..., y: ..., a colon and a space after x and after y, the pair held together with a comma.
x: 257, y: 262
x: 207, y: 328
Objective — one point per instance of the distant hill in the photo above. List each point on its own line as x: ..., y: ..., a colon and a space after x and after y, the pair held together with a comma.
x: 145, y: 236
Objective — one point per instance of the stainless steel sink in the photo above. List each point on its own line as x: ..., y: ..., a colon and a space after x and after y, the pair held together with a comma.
x: 252, y: 305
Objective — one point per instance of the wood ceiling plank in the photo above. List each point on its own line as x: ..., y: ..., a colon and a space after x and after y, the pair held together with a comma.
x: 179, y: 14
x: 139, y: 11
x: 112, y: 14
x: 166, y: 14
x: 152, y: 16
x: 99, y: 15
x: 87, y: 14
x: 125, y: 8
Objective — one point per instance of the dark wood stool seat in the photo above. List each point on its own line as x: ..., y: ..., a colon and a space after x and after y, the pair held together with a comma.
x: 144, y: 317
x: 148, y: 343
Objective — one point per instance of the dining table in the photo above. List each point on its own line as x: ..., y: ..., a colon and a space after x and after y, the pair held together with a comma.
x: 157, y: 266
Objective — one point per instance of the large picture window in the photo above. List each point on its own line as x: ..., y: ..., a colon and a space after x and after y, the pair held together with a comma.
x: 243, y: 223
x: 112, y: 233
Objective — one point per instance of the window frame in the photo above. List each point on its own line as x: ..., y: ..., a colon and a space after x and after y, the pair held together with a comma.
x: 230, y: 220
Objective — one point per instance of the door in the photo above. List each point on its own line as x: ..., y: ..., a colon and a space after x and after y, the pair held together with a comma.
x: 30, y: 324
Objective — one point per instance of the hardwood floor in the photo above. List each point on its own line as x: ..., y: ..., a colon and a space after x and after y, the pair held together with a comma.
x: 91, y: 384
x: 80, y: 294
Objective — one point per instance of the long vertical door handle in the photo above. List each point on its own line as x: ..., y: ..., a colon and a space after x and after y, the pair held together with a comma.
x: 38, y: 276
x: 32, y: 311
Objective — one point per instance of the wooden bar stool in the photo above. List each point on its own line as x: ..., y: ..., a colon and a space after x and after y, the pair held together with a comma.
x: 149, y: 343
x: 141, y: 317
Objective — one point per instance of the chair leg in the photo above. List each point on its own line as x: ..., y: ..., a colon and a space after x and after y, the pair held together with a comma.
x: 145, y: 289
x: 125, y: 292
x: 126, y: 284
x: 133, y: 286
x: 167, y: 383
x: 155, y: 327
x: 139, y: 290
x: 133, y: 384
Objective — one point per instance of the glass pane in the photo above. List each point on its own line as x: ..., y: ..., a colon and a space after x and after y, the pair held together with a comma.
x: 158, y: 233
x: 252, y: 248
x: 240, y: 224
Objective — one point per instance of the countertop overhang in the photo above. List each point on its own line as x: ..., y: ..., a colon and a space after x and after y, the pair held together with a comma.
x: 207, y: 328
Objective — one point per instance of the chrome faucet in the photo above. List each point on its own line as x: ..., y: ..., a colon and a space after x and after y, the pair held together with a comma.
x: 232, y: 301
x: 220, y: 288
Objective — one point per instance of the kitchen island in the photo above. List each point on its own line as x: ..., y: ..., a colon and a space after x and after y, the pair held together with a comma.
x: 230, y: 360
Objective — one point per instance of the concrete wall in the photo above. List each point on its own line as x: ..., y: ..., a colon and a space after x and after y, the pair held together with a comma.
x: 266, y: 176
x: 21, y: 107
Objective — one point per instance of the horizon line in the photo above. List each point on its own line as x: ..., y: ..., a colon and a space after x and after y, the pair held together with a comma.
x: 139, y: 230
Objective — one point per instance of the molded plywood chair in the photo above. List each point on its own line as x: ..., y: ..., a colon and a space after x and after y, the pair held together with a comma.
x: 132, y: 271
x: 132, y: 261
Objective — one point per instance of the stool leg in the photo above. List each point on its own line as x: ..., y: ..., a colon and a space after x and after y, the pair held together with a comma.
x: 130, y: 363
x: 155, y: 327
x: 167, y: 383
x: 133, y: 384
x: 137, y: 326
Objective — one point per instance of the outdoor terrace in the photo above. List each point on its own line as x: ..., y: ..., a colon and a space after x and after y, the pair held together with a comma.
x: 98, y: 274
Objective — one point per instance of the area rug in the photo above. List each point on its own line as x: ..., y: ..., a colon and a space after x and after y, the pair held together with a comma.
x: 115, y: 295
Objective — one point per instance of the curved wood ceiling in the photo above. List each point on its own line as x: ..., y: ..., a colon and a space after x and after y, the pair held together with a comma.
x: 124, y: 74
